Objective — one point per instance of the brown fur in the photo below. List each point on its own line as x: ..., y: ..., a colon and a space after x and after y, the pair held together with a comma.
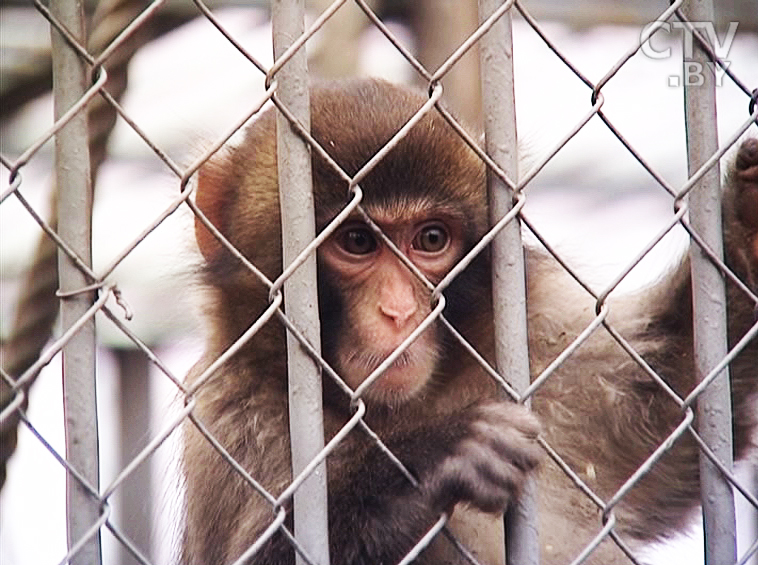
x: 600, y: 411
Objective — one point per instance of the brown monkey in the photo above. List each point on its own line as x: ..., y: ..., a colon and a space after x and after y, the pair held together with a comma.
x: 435, y: 408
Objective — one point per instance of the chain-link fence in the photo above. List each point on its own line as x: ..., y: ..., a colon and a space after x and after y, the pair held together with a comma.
x: 90, y: 55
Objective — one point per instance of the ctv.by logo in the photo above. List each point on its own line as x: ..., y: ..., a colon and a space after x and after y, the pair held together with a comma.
x: 693, y: 72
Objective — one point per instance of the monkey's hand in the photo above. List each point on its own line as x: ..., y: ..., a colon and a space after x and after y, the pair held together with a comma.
x: 479, y: 455
x: 741, y: 211
x: 489, y: 460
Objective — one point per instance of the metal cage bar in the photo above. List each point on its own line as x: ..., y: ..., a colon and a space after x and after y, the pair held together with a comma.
x: 72, y: 173
x: 301, y: 297
x: 508, y: 272
x: 709, y: 300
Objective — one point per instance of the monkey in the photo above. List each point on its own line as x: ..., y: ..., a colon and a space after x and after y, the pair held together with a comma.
x: 435, y: 407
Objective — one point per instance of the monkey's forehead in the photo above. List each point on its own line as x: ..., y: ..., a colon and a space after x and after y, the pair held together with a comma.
x: 403, y: 201
x: 403, y: 210
x: 418, y: 175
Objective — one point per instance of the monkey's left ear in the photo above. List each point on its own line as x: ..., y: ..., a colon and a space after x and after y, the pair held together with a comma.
x: 213, y: 197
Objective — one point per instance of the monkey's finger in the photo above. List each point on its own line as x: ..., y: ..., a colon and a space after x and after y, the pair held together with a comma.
x: 746, y: 168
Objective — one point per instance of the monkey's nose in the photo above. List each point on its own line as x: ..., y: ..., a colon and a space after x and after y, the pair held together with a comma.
x: 399, y: 313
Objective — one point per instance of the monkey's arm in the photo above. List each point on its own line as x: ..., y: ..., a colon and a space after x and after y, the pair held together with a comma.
x: 605, y: 415
x: 672, y: 300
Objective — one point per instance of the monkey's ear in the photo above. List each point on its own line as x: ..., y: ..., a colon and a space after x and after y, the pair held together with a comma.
x: 213, y: 197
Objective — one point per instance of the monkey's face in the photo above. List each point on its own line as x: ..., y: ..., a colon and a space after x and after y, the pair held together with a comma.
x: 381, y: 302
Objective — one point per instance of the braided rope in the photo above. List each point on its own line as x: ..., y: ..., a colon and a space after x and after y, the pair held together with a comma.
x: 37, y: 307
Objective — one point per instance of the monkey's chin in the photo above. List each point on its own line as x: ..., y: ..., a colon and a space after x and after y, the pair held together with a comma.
x: 398, y: 383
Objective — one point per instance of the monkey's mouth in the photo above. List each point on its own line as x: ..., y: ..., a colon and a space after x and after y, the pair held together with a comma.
x: 370, y: 360
x: 407, y: 374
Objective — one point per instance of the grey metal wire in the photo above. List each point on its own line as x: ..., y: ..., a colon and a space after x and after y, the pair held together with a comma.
x: 91, y: 511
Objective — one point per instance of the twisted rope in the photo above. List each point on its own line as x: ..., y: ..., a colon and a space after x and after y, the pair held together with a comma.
x: 37, y: 307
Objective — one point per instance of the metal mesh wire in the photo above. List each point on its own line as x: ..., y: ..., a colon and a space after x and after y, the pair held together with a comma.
x: 97, y: 288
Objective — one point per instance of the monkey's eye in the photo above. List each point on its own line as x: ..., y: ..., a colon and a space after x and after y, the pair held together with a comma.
x: 358, y: 241
x: 431, y: 239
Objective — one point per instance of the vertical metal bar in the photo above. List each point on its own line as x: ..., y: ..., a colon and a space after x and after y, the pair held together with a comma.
x: 508, y: 277
x: 301, y: 297
x: 72, y: 170
x: 710, y: 326
x: 136, y: 493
